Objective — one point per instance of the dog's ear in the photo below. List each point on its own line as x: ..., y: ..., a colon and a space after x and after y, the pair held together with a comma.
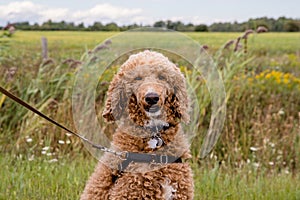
x: 116, y: 100
x: 181, y: 95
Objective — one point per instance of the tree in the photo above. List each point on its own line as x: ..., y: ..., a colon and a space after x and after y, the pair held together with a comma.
x: 97, y: 26
x: 201, y: 28
x: 292, y: 26
x: 111, y: 27
x: 160, y: 24
x: 80, y: 26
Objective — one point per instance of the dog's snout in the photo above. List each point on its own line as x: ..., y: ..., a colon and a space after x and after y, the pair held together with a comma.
x: 151, y: 98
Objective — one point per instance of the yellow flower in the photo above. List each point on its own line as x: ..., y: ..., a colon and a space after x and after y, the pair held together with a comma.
x: 286, y: 81
x: 277, y: 77
x: 286, y: 76
x: 278, y: 80
x: 268, y: 76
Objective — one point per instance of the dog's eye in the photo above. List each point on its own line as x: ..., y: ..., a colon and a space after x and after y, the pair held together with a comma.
x: 138, y: 78
x: 160, y: 77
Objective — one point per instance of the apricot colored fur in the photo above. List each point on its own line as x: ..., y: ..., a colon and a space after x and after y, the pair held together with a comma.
x: 141, y: 73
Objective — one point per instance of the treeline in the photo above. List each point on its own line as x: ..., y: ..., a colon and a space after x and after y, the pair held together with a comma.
x: 281, y: 24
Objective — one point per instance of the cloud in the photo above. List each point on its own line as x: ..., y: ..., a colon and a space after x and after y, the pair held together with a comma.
x: 55, y: 14
x: 28, y: 11
x: 106, y: 13
x: 20, y: 11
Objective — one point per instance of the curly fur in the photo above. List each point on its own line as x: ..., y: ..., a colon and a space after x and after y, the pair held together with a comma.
x: 144, y: 73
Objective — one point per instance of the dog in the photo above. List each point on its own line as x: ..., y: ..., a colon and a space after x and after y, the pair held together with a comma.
x: 148, y: 100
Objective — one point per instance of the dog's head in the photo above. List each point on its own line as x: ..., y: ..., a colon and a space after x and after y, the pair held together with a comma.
x: 148, y: 87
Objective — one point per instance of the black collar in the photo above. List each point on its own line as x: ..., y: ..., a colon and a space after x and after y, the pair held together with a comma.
x: 147, y: 158
x: 156, y: 129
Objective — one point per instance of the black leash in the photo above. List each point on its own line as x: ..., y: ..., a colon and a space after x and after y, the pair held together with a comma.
x: 127, y: 157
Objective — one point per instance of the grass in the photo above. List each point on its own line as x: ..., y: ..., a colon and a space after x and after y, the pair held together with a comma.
x: 65, y: 179
x: 244, y: 184
x: 43, y: 179
x: 258, y: 151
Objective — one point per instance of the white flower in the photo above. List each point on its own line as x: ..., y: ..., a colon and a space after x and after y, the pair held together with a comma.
x: 61, y: 142
x: 272, y: 144
x: 53, y: 160
x: 49, y: 154
x: 256, y: 165
x: 29, y: 140
x: 43, y: 152
x: 68, y: 142
x: 253, y: 148
x: 69, y: 134
x: 31, y: 158
x: 271, y: 163
x: 281, y: 112
x: 46, y: 148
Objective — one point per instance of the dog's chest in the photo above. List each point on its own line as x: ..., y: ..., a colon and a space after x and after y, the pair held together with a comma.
x: 158, y: 184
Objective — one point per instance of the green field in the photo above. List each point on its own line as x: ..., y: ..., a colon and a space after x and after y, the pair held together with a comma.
x: 257, y: 156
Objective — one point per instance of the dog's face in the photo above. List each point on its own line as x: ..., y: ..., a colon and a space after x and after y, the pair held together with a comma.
x: 150, y: 90
x: 147, y: 93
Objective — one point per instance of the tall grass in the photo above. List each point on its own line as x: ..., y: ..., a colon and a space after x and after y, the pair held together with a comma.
x: 257, y: 156
x: 47, y: 84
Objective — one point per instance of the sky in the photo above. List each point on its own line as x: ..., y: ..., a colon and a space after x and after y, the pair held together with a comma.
x: 144, y: 12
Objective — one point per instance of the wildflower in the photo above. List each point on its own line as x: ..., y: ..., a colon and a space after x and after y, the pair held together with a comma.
x: 286, y: 76
x: 286, y: 81
x: 43, y: 152
x: 261, y: 29
x: 10, y: 73
x: 228, y: 44
x: 278, y: 80
x: 247, y: 33
x: 46, y: 148
x: 68, y: 61
x: 268, y: 76
x: 237, y: 44
x: 68, y: 142
x: 271, y: 163
x: 205, y: 47
x: 53, y: 160
x: 254, y: 149
x: 100, y: 47
x: 61, y: 142
x: 49, y: 154
x: 108, y: 42
x: 281, y: 112
x: 256, y: 165
x: 272, y: 144
x: 31, y: 158
x: 29, y: 140
x: 69, y: 134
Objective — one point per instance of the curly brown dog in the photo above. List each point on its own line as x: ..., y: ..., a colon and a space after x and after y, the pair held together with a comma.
x: 147, y: 99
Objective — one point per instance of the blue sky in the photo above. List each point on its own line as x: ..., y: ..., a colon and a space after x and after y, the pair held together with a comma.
x: 144, y: 12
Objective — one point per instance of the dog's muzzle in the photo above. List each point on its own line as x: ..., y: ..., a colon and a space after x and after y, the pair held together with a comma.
x: 152, y: 100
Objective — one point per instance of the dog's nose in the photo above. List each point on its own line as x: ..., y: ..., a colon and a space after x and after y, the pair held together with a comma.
x: 151, y: 98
